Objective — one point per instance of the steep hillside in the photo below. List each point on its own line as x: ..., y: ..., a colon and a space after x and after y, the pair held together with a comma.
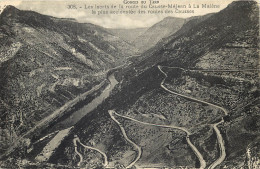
x: 212, y: 93
x: 189, y: 24
x: 155, y: 33
x: 229, y: 32
x: 46, y: 62
x: 128, y: 35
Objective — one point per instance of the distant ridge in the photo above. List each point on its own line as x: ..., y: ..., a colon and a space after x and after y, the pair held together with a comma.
x: 128, y: 34
x: 155, y: 33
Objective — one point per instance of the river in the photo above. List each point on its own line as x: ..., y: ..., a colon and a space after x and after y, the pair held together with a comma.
x: 72, y: 119
x: 77, y: 115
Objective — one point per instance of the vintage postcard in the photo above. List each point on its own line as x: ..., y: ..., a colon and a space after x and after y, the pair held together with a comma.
x: 129, y: 84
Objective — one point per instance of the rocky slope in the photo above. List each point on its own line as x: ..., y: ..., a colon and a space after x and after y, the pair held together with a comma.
x: 217, y: 36
x: 47, y: 61
x: 227, y: 40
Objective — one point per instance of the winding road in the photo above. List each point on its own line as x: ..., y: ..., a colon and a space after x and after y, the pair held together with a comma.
x: 76, y: 139
x: 221, y: 146
x: 184, y: 96
x: 198, y: 154
x: 214, y: 70
x: 219, y: 136
x: 139, y: 150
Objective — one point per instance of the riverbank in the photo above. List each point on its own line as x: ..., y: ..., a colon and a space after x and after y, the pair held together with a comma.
x: 55, y: 115
x: 66, y: 109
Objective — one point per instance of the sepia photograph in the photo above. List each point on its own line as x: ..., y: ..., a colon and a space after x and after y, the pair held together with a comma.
x: 129, y: 84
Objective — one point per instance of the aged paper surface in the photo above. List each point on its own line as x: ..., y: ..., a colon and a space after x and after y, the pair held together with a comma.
x: 129, y: 84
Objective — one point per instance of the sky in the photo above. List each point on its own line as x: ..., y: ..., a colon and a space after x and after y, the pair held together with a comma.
x: 60, y: 9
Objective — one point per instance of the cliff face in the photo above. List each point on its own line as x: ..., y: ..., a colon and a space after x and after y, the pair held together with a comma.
x: 47, y: 61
